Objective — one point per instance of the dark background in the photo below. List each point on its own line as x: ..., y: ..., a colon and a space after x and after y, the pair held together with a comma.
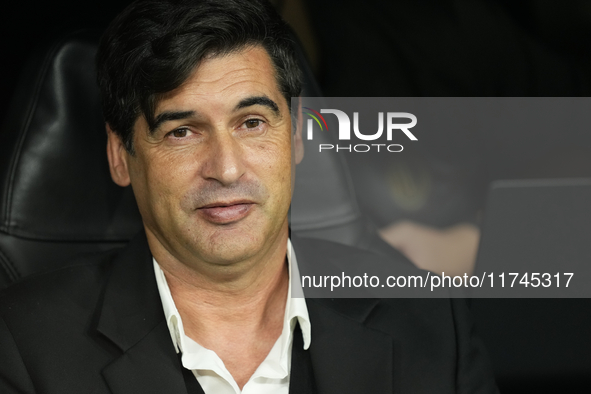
x: 562, y: 28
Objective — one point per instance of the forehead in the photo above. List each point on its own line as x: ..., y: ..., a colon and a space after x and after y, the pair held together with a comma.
x: 226, y: 79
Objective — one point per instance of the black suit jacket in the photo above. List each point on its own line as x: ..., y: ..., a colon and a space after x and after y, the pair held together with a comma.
x: 98, y: 327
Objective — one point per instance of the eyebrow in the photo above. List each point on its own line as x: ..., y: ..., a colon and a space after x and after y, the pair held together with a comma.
x: 259, y: 100
x: 168, y: 116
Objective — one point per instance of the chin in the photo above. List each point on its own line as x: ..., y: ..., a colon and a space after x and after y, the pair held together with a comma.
x: 231, y: 244
x: 231, y: 252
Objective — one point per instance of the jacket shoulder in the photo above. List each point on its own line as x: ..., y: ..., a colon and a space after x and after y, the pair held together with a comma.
x: 78, y: 283
x: 319, y: 250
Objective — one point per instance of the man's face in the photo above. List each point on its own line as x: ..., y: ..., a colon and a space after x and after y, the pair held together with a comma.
x: 213, y: 179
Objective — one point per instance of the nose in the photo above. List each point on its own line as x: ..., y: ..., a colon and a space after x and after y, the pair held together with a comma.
x: 225, y: 161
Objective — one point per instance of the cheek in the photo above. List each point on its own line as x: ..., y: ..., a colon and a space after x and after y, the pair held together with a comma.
x: 272, y: 165
x: 161, y: 179
x: 273, y: 161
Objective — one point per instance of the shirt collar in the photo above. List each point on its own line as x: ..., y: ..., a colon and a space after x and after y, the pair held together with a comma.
x: 277, y: 362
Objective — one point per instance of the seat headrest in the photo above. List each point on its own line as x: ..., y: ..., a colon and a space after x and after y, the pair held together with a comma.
x: 54, y: 177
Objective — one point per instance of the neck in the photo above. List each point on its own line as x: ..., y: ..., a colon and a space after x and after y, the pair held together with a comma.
x: 249, y: 295
x: 251, y: 303
x: 236, y: 310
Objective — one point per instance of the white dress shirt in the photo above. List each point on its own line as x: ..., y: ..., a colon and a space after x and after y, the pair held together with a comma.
x: 272, y: 376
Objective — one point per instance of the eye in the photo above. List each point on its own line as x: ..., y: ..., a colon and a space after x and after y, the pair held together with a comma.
x: 253, y: 123
x: 179, y: 133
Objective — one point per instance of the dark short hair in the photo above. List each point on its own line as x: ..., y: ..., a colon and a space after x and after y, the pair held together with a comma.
x: 153, y: 46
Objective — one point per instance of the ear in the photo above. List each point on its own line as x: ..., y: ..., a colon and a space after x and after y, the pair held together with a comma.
x: 118, y: 157
x: 297, y: 141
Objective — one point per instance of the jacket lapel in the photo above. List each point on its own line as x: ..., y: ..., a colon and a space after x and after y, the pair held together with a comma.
x: 131, y: 317
x: 150, y: 366
x: 348, y: 357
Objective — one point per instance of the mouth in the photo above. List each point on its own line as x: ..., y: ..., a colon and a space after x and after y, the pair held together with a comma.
x: 225, y: 212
